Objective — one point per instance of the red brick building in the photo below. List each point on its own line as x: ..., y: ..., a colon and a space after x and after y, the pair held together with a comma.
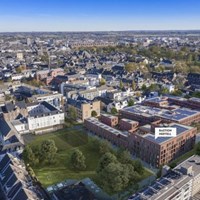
x: 142, y: 142
x: 114, y: 136
x: 128, y: 125
x: 110, y: 120
x: 162, y: 150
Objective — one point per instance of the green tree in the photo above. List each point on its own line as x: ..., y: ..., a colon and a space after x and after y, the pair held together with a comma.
x: 138, y: 166
x: 164, y: 91
x: 133, y: 86
x: 93, y: 113
x: 106, y: 159
x: 114, y: 110
x: 114, y: 177
x: 102, y: 81
x: 121, y: 85
x: 177, y: 93
x: 48, y: 150
x: 78, y: 160
x: 153, y: 87
x: 131, y: 67
x: 131, y: 102
x: 104, y: 147
x: 124, y: 156
x: 29, y: 156
x: 72, y: 113
x: 144, y: 88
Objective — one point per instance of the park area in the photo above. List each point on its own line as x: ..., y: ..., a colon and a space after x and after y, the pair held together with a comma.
x: 66, y: 141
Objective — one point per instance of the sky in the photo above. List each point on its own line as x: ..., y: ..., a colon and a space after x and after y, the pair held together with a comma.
x: 98, y: 15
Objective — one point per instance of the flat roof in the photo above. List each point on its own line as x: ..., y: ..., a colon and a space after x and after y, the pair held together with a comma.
x: 129, y: 121
x: 156, y: 99
x: 166, y: 186
x: 194, y: 99
x: 109, y: 116
x: 106, y: 127
x: 180, y: 129
x: 176, y: 114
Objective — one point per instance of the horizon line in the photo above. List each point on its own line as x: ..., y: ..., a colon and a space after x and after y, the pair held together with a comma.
x: 71, y: 31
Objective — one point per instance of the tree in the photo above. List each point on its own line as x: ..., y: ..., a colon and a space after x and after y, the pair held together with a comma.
x: 144, y: 88
x: 7, y: 97
x: 102, y: 81
x: 48, y: 150
x: 95, y: 142
x: 121, y: 85
x: 177, y: 93
x: 94, y: 113
x: 78, y: 160
x: 72, y: 113
x: 131, y: 102
x: 104, y: 147
x: 133, y: 86
x: 105, y: 160
x: 114, y: 177
x: 29, y: 156
x: 153, y: 88
x: 131, y: 67
x: 113, y: 110
x: 124, y: 156
x: 164, y: 91
x: 138, y: 166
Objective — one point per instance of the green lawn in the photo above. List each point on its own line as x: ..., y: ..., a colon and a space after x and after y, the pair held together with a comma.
x: 66, y: 141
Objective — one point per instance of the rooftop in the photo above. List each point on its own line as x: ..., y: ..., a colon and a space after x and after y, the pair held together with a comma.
x: 106, y: 127
x: 172, y: 182
x: 175, y: 114
x: 180, y: 129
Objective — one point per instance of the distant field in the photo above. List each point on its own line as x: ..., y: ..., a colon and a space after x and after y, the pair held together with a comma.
x: 66, y: 141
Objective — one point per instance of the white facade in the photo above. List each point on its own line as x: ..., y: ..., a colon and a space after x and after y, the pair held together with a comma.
x: 170, y: 87
x: 118, y: 105
x: 35, y: 123
x: 16, y: 77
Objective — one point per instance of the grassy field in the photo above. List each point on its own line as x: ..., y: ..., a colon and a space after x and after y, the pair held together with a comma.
x: 66, y: 141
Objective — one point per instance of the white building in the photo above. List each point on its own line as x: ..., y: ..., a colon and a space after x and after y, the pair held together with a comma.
x: 180, y: 183
x: 44, y: 117
x: 16, y: 77
x: 117, y: 104
x: 170, y: 87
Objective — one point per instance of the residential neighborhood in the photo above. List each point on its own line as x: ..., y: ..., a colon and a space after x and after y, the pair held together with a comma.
x: 103, y: 115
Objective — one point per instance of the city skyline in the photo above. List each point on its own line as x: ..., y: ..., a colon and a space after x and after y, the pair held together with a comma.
x: 27, y: 16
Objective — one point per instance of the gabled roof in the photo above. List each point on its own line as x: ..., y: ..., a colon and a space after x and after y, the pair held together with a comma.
x: 4, y: 128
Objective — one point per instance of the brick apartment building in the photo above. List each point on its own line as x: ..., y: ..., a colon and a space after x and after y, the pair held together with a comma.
x: 128, y: 125
x: 102, y: 130
x: 49, y: 75
x: 172, y: 101
x: 110, y: 120
x: 146, y: 114
x: 142, y: 141
x: 193, y: 103
x: 162, y: 150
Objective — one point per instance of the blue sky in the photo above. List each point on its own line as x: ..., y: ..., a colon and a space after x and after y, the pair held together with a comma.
x: 98, y: 15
